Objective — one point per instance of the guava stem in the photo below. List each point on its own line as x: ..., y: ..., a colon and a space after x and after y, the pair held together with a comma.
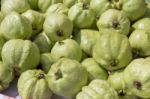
x: 114, y: 63
x: 137, y: 85
x: 85, y: 6
x: 136, y: 54
x: 41, y: 76
x: 61, y: 43
x: 60, y: 33
x: 121, y: 93
x: 115, y: 24
x: 58, y: 74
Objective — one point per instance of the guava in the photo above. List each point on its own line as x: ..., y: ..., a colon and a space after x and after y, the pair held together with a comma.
x: 44, y: 4
x: 66, y: 77
x: 33, y: 4
x: 67, y: 48
x: 46, y: 61
x: 112, y: 51
x: 69, y: 3
x: 97, y: 89
x: 95, y: 71
x: 140, y: 42
x: 20, y: 55
x: 57, y: 8
x: 43, y: 42
x: 100, y: 6
x: 114, y: 20
x: 81, y: 15
x: 58, y: 27
x: 19, y: 6
x: 142, y: 24
x: 86, y: 39
x: 15, y: 26
x: 36, y: 19
x: 134, y: 9
x: 32, y: 84
x: 6, y: 76
x: 2, y: 42
x: 136, y: 76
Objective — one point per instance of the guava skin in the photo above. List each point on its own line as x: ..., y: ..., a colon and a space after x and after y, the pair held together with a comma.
x: 147, y: 13
x: 66, y: 77
x: 2, y: 42
x: 134, y: 9
x: 114, y: 20
x: 81, y: 15
x: 100, y: 6
x: 32, y: 84
x: 112, y: 51
x: 67, y: 48
x: 58, y: 27
x: 18, y: 6
x: 33, y: 4
x: 84, y: 1
x: 36, y: 19
x: 69, y: 3
x: 86, y: 39
x: 20, y: 55
x: 115, y: 79
x: 43, y: 43
x: 6, y: 76
x: 44, y: 4
x: 15, y: 26
x: 97, y: 89
x: 142, y: 24
x: 46, y: 61
x: 57, y: 8
x: 1, y: 17
x: 140, y: 43
x: 95, y: 71
x: 138, y: 84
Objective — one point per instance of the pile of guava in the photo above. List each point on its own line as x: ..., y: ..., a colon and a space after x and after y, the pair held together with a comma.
x: 76, y: 49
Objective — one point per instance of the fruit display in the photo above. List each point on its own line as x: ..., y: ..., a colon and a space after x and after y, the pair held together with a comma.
x: 32, y: 84
x: 75, y: 49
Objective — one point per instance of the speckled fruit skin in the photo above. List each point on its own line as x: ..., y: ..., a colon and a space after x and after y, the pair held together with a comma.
x: 58, y: 27
x: 97, y: 89
x: 6, y: 76
x: 32, y: 84
x: 20, y: 55
x: 112, y: 51
x: 66, y: 77
x: 138, y: 83
x: 67, y: 48
x: 15, y: 26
